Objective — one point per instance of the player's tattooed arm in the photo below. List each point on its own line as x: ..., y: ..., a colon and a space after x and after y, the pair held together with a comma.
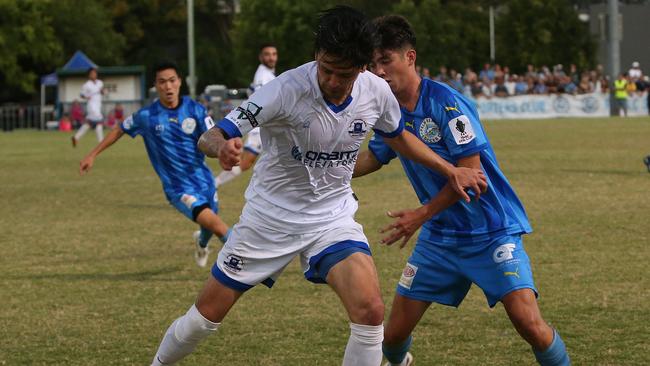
x: 215, y: 144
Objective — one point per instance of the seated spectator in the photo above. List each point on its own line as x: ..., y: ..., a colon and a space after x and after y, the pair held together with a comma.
x: 521, y: 86
x: 76, y: 114
x: 455, y: 80
x: 487, y: 74
x: 426, y: 73
x: 540, y: 87
x: 65, y: 124
x: 500, y: 89
x: 511, y: 82
x: 119, y: 113
x: 585, y: 86
x: 470, y: 77
x: 442, y: 76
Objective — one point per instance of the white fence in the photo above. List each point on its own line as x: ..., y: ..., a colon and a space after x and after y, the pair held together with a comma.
x: 553, y: 106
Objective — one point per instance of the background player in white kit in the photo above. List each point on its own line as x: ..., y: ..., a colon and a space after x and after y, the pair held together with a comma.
x: 253, y: 146
x: 299, y: 203
x: 92, y: 91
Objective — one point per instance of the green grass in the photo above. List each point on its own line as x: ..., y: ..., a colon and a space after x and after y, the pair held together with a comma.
x: 93, y: 269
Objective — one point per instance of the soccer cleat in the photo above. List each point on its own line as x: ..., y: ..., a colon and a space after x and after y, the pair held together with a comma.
x: 201, y: 254
x: 407, y: 361
x: 646, y: 161
x: 74, y: 141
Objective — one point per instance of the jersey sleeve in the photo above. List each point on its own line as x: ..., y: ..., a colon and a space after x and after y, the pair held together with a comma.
x: 378, y: 147
x: 205, y: 122
x: 460, y: 126
x: 389, y: 123
x: 263, y: 106
x: 84, y: 91
x: 132, y: 125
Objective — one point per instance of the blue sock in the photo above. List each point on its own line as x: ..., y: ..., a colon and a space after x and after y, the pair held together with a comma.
x: 204, y: 237
x: 395, y: 353
x: 555, y: 354
x: 225, y: 236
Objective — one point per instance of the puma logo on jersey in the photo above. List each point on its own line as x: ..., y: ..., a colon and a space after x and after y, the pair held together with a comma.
x: 454, y: 108
x: 515, y: 273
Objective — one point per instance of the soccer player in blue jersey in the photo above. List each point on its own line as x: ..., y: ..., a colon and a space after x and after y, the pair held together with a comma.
x: 460, y: 242
x: 170, y: 128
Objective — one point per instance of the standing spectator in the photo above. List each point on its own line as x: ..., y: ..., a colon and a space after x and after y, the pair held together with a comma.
x: 118, y: 113
x: 511, y: 83
x: 426, y: 73
x: 620, y: 94
x: 76, y: 114
x: 500, y: 89
x: 635, y: 72
x: 521, y: 86
x: 455, y: 80
x: 585, y: 86
x: 442, y: 76
x: 487, y: 73
x: 530, y: 71
x: 92, y: 91
x: 470, y: 76
x: 574, y: 74
x: 65, y: 125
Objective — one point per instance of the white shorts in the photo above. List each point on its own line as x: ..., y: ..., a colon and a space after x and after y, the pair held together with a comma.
x: 254, y: 141
x: 254, y: 254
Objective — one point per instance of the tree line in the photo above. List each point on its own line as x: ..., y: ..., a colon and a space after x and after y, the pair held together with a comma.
x: 39, y: 36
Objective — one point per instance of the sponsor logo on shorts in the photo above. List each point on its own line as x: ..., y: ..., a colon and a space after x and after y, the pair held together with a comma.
x: 408, y: 275
x: 503, y: 253
x: 188, y: 200
x: 234, y: 263
x: 188, y: 125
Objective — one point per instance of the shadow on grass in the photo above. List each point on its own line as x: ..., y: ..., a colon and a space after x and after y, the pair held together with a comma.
x: 131, y: 276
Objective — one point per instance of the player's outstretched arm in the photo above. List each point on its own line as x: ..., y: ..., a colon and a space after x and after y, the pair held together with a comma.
x: 366, y: 164
x: 215, y: 144
x: 409, y: 221
x: 87, y: 162
x: 460, y: 178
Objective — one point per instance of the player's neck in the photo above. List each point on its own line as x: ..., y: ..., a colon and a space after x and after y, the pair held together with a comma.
x: 171, y: 105
x: 409, y: 96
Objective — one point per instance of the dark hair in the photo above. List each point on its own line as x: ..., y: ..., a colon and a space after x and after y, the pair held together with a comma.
x: 264, y: 45
x: 393, y: 32
x: 346, y: 34
x: 165, y: 65
x: 91, y: 69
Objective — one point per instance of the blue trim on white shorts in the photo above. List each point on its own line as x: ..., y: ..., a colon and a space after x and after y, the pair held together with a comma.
x: 218, y: 274
x: 313, y: 276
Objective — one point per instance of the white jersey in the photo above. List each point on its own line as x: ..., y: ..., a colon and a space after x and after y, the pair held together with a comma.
x: 93, y: 92
x: 262, y: 76
x: 302, y: 181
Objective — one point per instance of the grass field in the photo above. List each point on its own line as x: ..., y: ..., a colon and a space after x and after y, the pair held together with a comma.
x: 93, y: 269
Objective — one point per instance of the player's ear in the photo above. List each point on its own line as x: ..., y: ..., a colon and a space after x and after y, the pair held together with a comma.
x: 411, y: 56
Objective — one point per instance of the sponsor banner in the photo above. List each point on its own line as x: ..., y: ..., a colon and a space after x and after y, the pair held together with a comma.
x: 553, y: 106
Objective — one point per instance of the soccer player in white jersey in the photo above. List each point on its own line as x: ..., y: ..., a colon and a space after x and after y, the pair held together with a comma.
x: 253, y: 146
x: 92, y: 91
x: 299, y: 203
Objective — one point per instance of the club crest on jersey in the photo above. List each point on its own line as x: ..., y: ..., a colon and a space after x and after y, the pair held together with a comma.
x: 234, y: 263
x: 429, y: 131
x: 249, y: 113
x: 357, y: 128
x: 462, y: 129
x: 188, y: 125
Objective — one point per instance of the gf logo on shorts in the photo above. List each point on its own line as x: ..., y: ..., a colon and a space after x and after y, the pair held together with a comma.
x: 233, y: 263
x: 408, y: 275
x: 188, y: 200
x: 503, y: 253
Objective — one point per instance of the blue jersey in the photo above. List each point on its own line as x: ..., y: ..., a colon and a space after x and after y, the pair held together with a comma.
x: 448, y: 123
x: 170, y: 136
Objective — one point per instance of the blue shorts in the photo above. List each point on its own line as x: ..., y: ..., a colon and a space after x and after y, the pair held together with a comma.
x: 443, y: 273
x: 191, y: 204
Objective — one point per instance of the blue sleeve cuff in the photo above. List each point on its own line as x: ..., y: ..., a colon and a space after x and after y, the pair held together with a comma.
x: 229, y: 128
x: 382, y: 159
x: 390, y: 135
x: 471, y: 151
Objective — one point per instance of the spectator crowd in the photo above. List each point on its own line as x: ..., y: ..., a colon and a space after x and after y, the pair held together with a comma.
x: 498, y: 81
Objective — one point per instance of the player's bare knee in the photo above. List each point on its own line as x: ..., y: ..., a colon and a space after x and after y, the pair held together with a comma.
x: 370, y: 312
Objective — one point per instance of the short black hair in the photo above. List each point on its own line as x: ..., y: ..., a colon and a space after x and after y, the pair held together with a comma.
x: 91, y: 69
x: 264, y: 45
x: 165, y: 65
x: 393, y: 32
x: 346, y: 34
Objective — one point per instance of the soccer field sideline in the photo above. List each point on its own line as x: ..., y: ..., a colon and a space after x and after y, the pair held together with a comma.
x: 94, y: 268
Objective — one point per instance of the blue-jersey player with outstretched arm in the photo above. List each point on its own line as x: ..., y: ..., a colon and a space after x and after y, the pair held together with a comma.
x: 170, y: 128
x: 460, y: 242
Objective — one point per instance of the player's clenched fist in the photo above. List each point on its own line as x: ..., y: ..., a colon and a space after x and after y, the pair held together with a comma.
x: 230, y: 152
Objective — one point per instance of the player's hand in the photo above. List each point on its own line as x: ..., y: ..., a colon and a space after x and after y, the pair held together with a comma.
x: 230, y: 153
x: 462, y: 179
x: 407, y: 223
x: 86, y: 164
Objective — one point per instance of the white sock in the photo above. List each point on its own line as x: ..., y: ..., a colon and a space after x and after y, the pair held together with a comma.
x: 82, y: 131
x: 99, y: 131
x: 227, y: 175
x: 183, y: 336
x: 364, y: 345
